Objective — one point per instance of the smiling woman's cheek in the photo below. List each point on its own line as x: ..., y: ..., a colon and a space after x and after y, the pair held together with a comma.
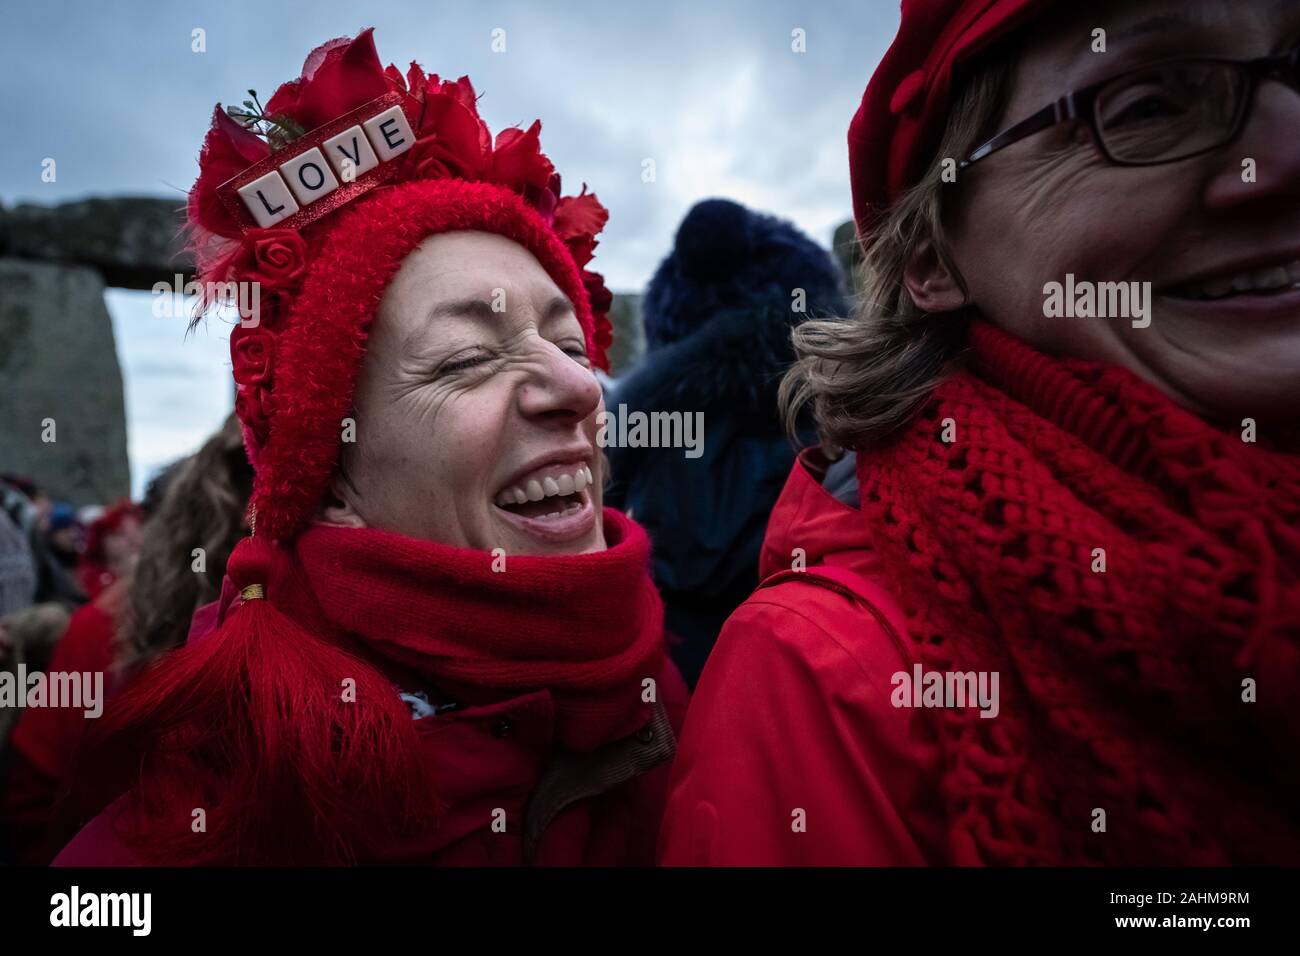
x: 439, y: 448
x: 1065, y: 213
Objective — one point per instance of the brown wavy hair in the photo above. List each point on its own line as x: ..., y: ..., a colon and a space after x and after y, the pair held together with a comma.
x: 203, y: 507
x: 863, y: 378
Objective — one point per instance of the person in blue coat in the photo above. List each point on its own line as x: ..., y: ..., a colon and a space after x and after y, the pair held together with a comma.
x: 717, y: 319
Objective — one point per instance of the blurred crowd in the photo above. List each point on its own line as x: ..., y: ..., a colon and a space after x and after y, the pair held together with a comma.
x: 54, y: 558
x: 101, y: 589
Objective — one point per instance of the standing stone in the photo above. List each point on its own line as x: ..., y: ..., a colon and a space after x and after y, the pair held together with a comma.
x: 133, y: 241
x: 58, y: 360
x: 629, y: 335
x: 848, y: 253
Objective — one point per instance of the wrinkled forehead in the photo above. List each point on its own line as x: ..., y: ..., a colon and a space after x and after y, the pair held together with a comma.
x: 465, y: 277
x: 1076, y: 44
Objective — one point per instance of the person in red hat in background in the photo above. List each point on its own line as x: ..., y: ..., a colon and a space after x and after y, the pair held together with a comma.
x: 438, y: 648
x: 112, y: 544
x: 1054, y: 618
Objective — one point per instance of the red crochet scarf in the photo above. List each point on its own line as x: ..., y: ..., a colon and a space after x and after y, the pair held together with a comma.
x: 1121, y: 690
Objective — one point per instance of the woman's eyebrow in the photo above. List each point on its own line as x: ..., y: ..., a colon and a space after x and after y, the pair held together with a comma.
x: 1157, y: 36
x: 557, y: 307
x: 472, y: 308
x: 483, y: 309
x: 1156, y: 24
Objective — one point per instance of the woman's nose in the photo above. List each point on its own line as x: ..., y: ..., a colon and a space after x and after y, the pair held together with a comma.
x: 558, y: 387
x: 1263, y: 164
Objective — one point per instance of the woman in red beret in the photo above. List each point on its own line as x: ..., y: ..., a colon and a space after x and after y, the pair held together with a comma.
x: 112, y: 544
x: 1037, y: 598
x: 436, y: 647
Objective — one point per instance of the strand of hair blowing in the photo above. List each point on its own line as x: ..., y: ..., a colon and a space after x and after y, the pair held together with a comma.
x: 250, y: 725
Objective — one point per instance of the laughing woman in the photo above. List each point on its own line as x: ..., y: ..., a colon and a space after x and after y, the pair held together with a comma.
x: 1057, y: 618
x: 443, y: 649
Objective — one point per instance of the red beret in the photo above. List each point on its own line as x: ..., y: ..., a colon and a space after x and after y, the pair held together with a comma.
x: 905, y: 107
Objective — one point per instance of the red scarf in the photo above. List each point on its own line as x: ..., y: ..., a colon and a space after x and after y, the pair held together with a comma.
x: 250, y: 723
x: 1121, y: 691
x: 588, y: 628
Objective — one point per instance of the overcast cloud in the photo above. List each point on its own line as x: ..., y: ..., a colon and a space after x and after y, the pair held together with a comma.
x: 711, y: 91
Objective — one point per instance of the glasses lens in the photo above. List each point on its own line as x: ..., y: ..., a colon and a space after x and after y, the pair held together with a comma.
x: 1292, y: 69
x: 1171, y: 111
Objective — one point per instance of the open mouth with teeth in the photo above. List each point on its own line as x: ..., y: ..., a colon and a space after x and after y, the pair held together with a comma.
x: 550, y: 497
x: 1259, y: 282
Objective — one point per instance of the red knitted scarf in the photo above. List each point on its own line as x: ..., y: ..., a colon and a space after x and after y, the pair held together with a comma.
x: 588, y: 628
x: 252, y: 722
x: 1121, y: 690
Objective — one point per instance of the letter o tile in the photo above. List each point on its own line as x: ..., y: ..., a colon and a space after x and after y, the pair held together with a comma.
x: 309, y: 176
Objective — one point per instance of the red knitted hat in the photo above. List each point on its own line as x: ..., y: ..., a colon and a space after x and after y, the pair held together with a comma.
x: 905, y: 107
x: 316, y: 199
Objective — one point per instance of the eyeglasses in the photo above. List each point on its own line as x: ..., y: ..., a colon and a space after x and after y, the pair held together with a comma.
x: 1162, y: 112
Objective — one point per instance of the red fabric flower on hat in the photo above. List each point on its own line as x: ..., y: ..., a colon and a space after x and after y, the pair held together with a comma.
x: 252, y: 353
x: 276, y: 258
x: 578, y: 219
x: 518, y: 162
x: 602, y: 300
x: 337, y: 77
x: 228, y: 149
x: 253, y: 408
x: 452, y: 141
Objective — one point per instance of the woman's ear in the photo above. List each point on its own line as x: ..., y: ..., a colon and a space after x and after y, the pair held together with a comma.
x: 929, y: 282
x: 337, y: 508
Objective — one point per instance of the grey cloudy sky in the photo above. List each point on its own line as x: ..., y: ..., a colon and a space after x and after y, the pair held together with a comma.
x: 710, y: 90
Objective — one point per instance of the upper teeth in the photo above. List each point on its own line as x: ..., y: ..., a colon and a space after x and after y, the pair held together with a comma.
x: 1261, y: 280
x: 534, y: 490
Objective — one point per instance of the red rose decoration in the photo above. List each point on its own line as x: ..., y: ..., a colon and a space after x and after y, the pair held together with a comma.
x: 454, y: 142
x: 546, y: 199
x: 602, y: 300
x: 276, y: 258
x: 251, y: 355
x: 273, y: 307
x: 337, y: 77
x: 446, y: 108
x: 254, y: 407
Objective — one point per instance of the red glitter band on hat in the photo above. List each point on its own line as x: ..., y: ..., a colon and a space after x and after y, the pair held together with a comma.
x: 340, y: 196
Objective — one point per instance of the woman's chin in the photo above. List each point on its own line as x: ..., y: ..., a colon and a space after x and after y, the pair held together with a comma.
x: 574, y: 530
x: 1225, y: 371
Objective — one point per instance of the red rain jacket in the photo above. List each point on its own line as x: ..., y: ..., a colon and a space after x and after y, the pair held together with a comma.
x: 792, y: 753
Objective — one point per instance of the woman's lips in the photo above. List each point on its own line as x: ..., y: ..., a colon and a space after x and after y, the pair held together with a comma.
x: 569, y: 524
x: 1253, y: 306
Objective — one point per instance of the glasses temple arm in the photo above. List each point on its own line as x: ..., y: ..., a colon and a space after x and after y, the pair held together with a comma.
x: 1063, y: 109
